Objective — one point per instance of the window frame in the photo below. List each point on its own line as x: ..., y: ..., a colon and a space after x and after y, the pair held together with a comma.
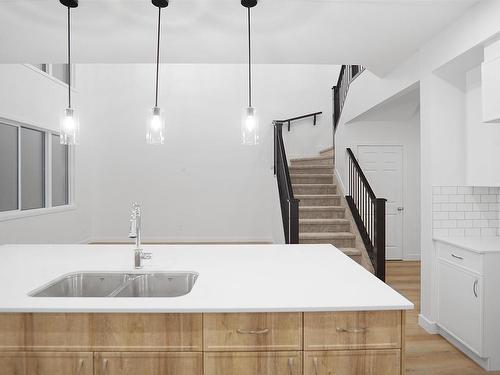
x: 19, y: 213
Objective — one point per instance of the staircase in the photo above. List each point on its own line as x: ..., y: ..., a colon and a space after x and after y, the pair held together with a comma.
x: 322, y: 210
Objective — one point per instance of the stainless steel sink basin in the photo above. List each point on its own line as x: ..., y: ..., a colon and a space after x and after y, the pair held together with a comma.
x: 159, y: 285
x: 119, y: 284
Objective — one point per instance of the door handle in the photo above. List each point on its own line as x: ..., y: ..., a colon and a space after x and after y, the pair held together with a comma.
x: 104, y: 366
x: 80, y: 366
x: 474, y: 288
x: 401, y: 209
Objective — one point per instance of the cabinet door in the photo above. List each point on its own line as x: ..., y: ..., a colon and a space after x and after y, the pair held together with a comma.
x: 460, y: 305
x: 159, y: 363
x: 25, y: 363
x: 261, y: 363
x: 354, y: 362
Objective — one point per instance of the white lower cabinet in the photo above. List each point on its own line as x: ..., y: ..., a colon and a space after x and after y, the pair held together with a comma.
x: 468, y: 297
x: 461, y: 305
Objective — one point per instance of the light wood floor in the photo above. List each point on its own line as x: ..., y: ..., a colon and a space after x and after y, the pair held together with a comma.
x: 426, y: 354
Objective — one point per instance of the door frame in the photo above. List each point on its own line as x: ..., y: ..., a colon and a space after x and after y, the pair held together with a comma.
x: 403, y: 187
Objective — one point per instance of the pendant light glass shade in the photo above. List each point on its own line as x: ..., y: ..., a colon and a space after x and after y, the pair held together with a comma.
x: 69, y: 127
x: 250, y: 127
x: 155, y: 133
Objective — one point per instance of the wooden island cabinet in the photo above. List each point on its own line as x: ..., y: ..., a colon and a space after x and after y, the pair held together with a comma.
x: 295, y: 343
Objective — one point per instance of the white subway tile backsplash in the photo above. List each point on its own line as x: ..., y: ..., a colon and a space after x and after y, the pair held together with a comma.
x: 466, y: 211
x: 440, y: 216
x: 457, y: 215
x: 473, y: 215
x: 467, y: 190
x: 473, y: 232
x: 488, y: 198
x: 480, y: 223
x: 481, y: 190
x: 489, y: 231
x: 456, y: 232
x: 449, y: 189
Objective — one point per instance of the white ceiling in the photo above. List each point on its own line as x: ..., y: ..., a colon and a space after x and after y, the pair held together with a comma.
x: 378, y: 34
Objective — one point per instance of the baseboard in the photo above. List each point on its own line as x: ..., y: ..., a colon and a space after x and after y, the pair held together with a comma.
x: 483, y: 362
x: 429, y: 326
x: 340, y: 182
x: 412, y: 257
x: 85, y: 241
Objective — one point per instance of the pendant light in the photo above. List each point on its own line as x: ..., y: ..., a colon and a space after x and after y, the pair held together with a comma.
x: 155, y: 134
x: 249, y: 120
x: 69, y: 126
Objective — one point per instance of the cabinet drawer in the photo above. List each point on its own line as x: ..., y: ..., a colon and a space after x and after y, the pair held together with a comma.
x: 461, y: 257
x: 148, y: 363
x: 147, y: 332
x: 352, y: 330
x: 373, y: 362
x: 47, y: 363
x: 252, y: 332
x: 261, y: 363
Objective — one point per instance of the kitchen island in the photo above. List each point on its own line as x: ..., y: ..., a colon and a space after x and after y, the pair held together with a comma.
x: 254, y: 309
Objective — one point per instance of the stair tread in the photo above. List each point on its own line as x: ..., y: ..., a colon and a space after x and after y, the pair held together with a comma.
x: 313, y: 185
x: 311, y: 158
x: 317, y: 196
x: 316, y: 166
x: 351, y: 251
x: 322, y: 208
x: 331, y: 148
x: 311, y: 175
x: 323, y: 221
x: 325, y: 235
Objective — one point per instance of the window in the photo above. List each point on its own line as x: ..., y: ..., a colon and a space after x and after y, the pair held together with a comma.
x: 34, y: 169
x: 59, y: 72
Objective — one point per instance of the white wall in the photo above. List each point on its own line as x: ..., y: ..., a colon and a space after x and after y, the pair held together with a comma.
x: 32, y: 98
x: 202, y: 185
x: 389, y: 131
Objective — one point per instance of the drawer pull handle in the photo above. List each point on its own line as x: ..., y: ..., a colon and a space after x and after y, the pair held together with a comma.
x: 474, y: 288
x: 290, y: 365
x: 105, y: 366
x: 80, y: 365
x: 457, y: 256
x: 351, y: 330
x: 253, y: 331
x: 315, y: 363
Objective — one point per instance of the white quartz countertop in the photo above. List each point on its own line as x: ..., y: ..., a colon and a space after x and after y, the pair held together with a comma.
x: 232, y: 278
x: 475, y: 244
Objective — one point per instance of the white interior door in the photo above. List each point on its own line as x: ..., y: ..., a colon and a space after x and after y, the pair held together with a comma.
x: 383, y: 167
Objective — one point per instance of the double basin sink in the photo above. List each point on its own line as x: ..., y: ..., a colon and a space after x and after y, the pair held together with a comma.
x: 119, y: 285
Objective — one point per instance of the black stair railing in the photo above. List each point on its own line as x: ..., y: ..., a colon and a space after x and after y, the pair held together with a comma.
x: 368, y: 212
x: 289, y: 205
x: 347, y: 74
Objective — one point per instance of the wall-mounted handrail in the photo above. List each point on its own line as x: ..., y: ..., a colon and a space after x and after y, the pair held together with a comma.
x: 289, y: 205
x: 290, y: 120
x: 368, y: 212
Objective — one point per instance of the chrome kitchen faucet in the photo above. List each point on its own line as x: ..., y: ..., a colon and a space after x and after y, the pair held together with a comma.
x: 135, y: 232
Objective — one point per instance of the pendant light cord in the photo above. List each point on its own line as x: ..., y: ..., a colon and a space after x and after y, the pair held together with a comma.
x: 158, y: 55
x: 249, y: 60
x: 69, y: 57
